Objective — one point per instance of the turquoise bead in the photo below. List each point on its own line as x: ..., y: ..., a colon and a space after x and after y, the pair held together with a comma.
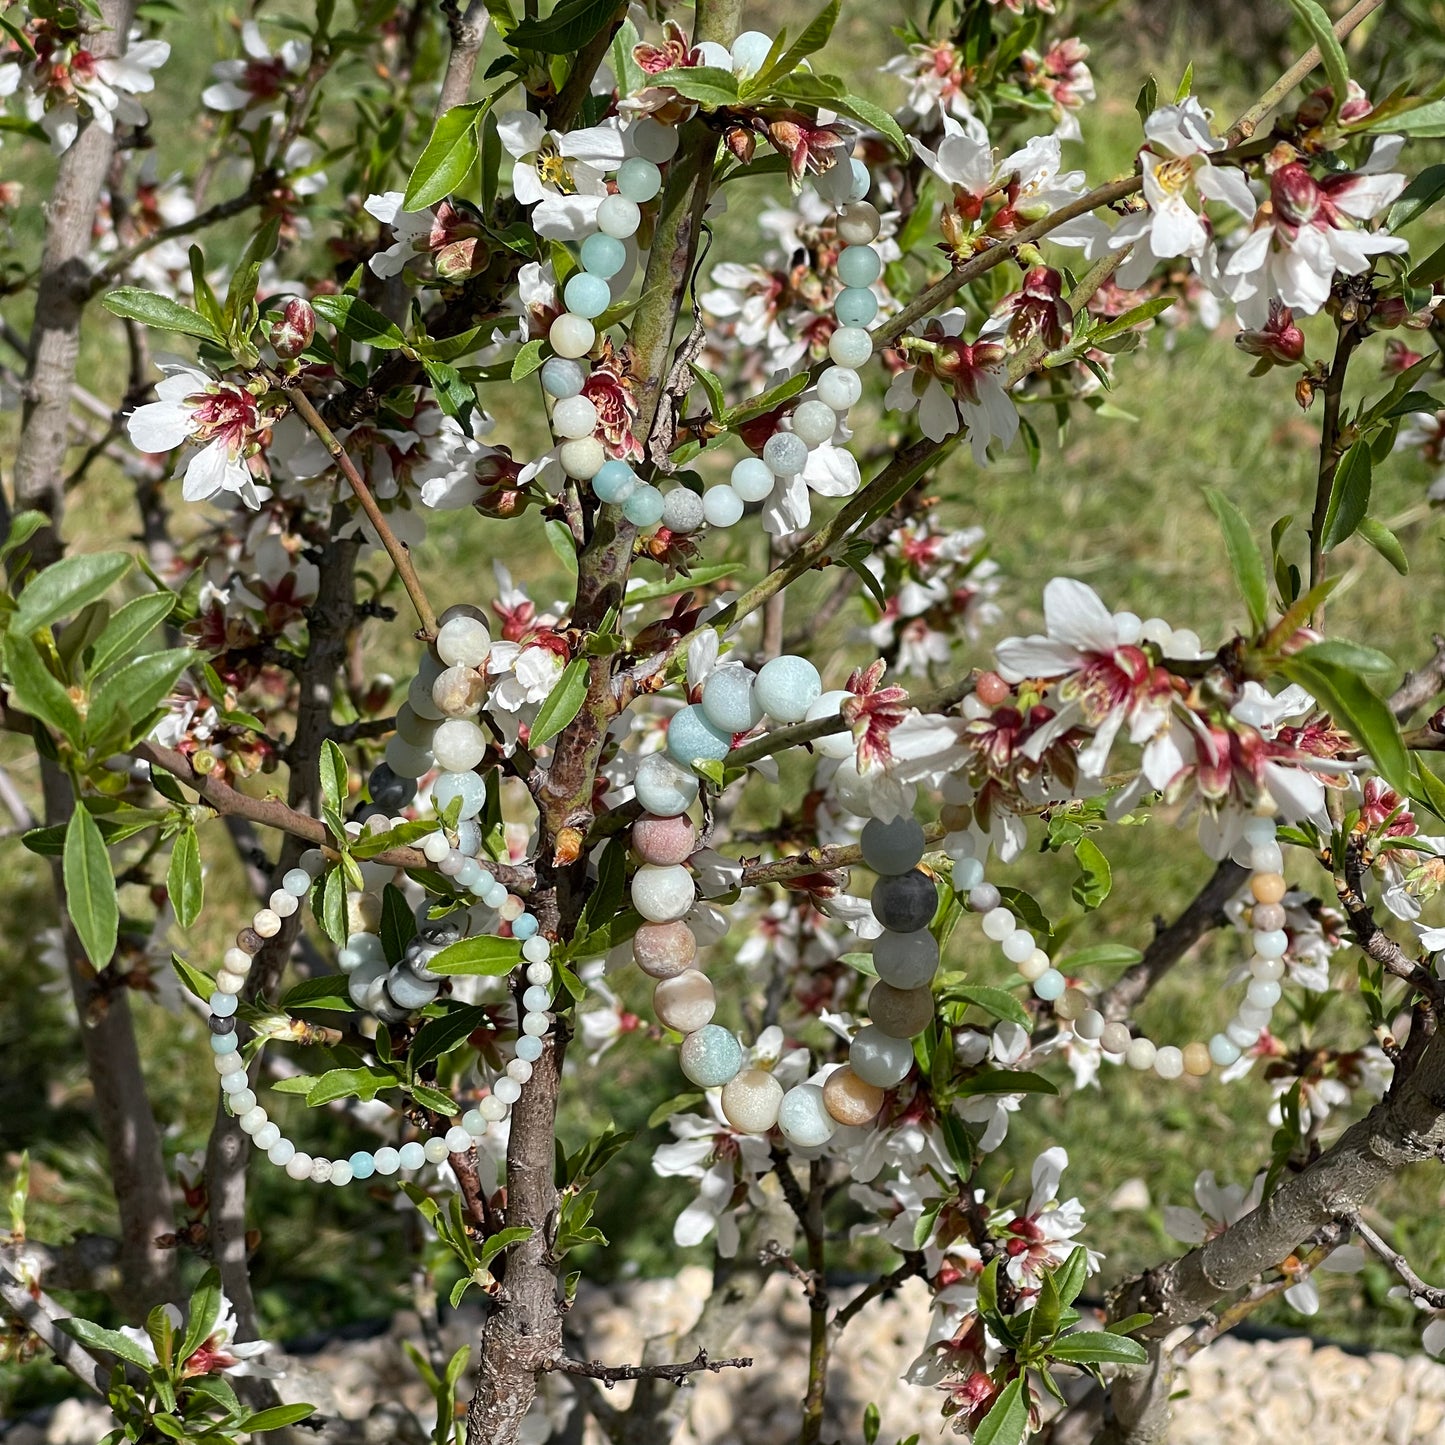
x: 753, y: 480
x: 466, y: 786
x: 711, y: 1057
x: 643, y: 508
x: 787, y: 687
x: 524, y: 927
x: 1050, y: 984
x: 856, y: 306
x: 223, y: 1005
x: 529, y: 1048
x: 603, y: 256
x: 692, y: 738
x: 363, y: 1166
x: 562, y: 378
x: 615, y: 482
x: 224, y: 1043
x: 586, y: 295
x: 638, y: 179
x: 859, y: 266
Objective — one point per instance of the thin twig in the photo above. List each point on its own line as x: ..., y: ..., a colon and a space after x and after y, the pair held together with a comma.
x: 1429, y: 1294
x: 611, y: 1374
x: 913, y: 1264
x: 38, y: 1313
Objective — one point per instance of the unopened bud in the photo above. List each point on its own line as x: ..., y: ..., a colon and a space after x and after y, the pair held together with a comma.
x: 292, y: 330
x: 459, y: 259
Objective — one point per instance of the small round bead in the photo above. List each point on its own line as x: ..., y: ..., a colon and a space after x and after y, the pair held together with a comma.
x: 363, y: 1164
x: 617, y: 216
x: 250, y: 1118
x: 906, y: 960
x: 266, y: 1136
x: 858, y: 223
x: 571, y: 336
x: 893, y: 846
x: 615, y: 481
x: 297, y: 881
x: 840, y: 387
x: 224, y: 1043
x: 729, y: 701
x: 1070, y: 1004
x: 507, y: 1089
x: 413, y: 729
x: 692, y: 737
x: 435, y: 1149
x: 282, y: 903
x: 901, y: 1013
x: 281, y: 1152
x: 524, y: 927
x: 236, y: 959
x: 412, y: 1155
x: 586, y: 295
x: 983, y: 898
x: 537, y: 998
x: 787, y: 687
x: 1269, y: 969
x: 529, y: 1047
x: 722, y: 506
x: 298, y: 1166
x: 267, y: 922
x: 905, y: 902
x: 751, y: 1101
x: 1222, y: 1051
x: 644, y: 507
x: 1268, y: 887
x: 967, y: 874
x: 1089, y: 1024
x: 664, y: 841
x: 1034, y: 967
x: 711, y: 1056
x: 1168, y: 1062
x: 539, y: 971
x: 638, y: 179
x: 602, y: 256
x: 1197, y: 1060
x: 662, y: 894
x: 855, y: 306
x: 1262, y: 993
x: 785, y: 454
x: 576, y: 416
x: 535, y: 1024
x: 459, y: 745
x: 520, y: 1070
x: 387, y: 1160
x: 582, y: 458
x: 242, y: 1102
x: 1255, y: 1017
x: 227, y: 1063
x: 536, y: 950
x: 236, y: 1081
x: 859, y: 265
x: 879, y: 1059
x: 815, y: 422
x: 1018, y: 946
x: 1050, y: 984
x: 998, y: 923
x: 320, y: 1172
x: 435, y: 846
x: 664, y: 950
x: 663, y: 787
x: 1266, y: 858
x: 753, y: 480
x: 1272, y: 944
x: 803, y: 1118
x: 474, y: 1123
x: 850, y: 346
x: 223, y: 1004
x: 653, y: 139
x: 457, y: 1141
x: 1115, y: 1039
x: 1243, y: 1034
x: 492, y: 1109
x: 849, y: 1099
x: 561, y: 378
x: 1140, y: 1054
x: 341, y: 1171
x: 683, y: 511
x: 685, y: 1002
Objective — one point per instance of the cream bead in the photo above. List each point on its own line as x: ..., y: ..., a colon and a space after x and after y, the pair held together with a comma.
x: 1115, y: 1039
x: 685, y: 1003
x: 572, y: 336
x: 282, y: 903
x: 267, y: 922
x: 1140, y: 1054
x: 1035, y: 966
x: 750, y: 1102
x: 1168, y: 1062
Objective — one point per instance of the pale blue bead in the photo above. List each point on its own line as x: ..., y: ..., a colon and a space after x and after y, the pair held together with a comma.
x: 862, y: 180
x: 859, y: 265
x: 466, y: 786
x: 529, y: 1048
x: 494, y: 893
x: 223, y: 1005
x: 297, y: 882
x: 803, y: 1118
x: 363, y: 1166
x: 967, y: 873
x: 663, y: 787
x: 224, y: 1043
x: 728, y: 699
x: 241, y: 1101
x: 586, y: 295
x: 603, y: 256
x: 856, y: 306
x: 644, y: 507
x: 1050, y: 984
x: 412, y: 1155
x: 1223, y: 1051
x: 234, y: 1082
x: 878, y: 1059
x: 711, y: 1057
x: 753, y: 479
x: 387, y: 1160
x: 535, y: 1023
x: 785, y: 454
x: 721, y: 506
x: 562, y: 378
x: 471, y: 875
x: 615, y: 482
x: 692, y: 737
x: 850, y: 346
x: 537, y: 998
x: 474, y: 1123
x: 524, y: 927
x: 407, y: 990
x: 638, y: 179
x: 1271, y: 943
x: 787, y: 687
x: 469, y: 838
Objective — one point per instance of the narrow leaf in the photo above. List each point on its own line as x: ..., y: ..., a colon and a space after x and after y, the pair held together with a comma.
x: 133, y: 304
x: 1332, y: 53
x: 1349, y: 495
x: 563, y: 703
x: 1007, y: 1420
x: 184, y: 881
x: 1244, y: 556
x: 485, y: 956
x: 66, y: 587
x: 449, y: 158
x: 90, y: 888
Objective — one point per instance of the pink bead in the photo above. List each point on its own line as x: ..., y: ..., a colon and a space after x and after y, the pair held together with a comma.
x: 664, y: 840
x: 664, y: 950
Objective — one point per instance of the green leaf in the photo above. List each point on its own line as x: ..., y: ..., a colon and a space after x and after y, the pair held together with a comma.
x: 1097, y: 1347
x: 364, y: 1083
x: 449, y: 158
x: 330, y: 906
x: 128, y: 695
x: 1069, y: 1277
x: 767, y: 401
x: 130, y: 626
x: 276, y: 1418
x: 484, y: 956
x: 335, y: 775
x: 563, y: 703
x: 90, y: 888
x: 398, y: 923
x: 1424, y: 122
x: 1386, y: 543
x: 674, y: 586
x: 353, y: 318
x: 566, y: 30
x: 1008, y: 1419
x: 528, y: 359
x: 184, y: 882
x: 997, y: 1001
x: 713, y: 386
x: 1362, y: 713
x: 201, y: 1313
x: 812, y: 40
x: 202, y: 985
x: 1244, y: 556
x: 329, y: 991
x: 23, y: 526
x: 111, y: 1341
x: 1417, y: 198
x: 35, y: 690
x: 1332, y: 53
x: 434, y: 1099
x: 1349, y: 495
x: 1355, y: 656
x: 1005, y: 1081
x: 710, y: 86
x: 1095, y: 878
x: 241, y: 293
x: 866, y: 113
x: 1101, y: 955
x: 672, y: 1106
x: 66, y: 587
x: 440, y: 1035
x: 133, y: 304
x: 1136, y: 316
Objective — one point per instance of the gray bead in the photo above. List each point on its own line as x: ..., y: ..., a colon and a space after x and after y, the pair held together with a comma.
x: 221, y: 1025
x: 408, y: 991
x: 892, y: 847
x: 388, y: 1012
x: 905, y: 903
x: 682, y: 510
x: 906, y: 960
x: 418, y: 954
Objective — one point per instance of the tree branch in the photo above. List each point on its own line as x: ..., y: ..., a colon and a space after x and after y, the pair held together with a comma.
x: 1429, y: 1294
x: 41, y: 1315
x: 611, y: 1374
x: 468, y: 30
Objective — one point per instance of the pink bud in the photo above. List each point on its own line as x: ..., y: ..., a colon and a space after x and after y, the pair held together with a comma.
x: 1295, y: 195
x: 292, y: 330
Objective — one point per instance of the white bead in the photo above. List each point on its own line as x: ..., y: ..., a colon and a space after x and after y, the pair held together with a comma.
x: 459, y: 745
x: 536, y: 950
x: 998, y: 923
x: 1271, y: 970
x: 492, y: 1109
x: 229, y: 982
x: 1222, y: 1051
x: 662, y: 892
x: 507, y: 1089
x: 1018, y: 946
x: 537, y: 999
x: 435, y: 846
x: 236, y: 959
x: 535, y: 1024
x: 576, y: 416
x: 1089, y: 1024
x: 1140, y: 1054
x: 464, y: 641
x: 1254, y: 1017
x: 320, y: 1171
x: 265, y: 1136
x: 572, y: 336
x: 1263, y: 993
x: 520, y: 1070
x: 252, y: 1119
x: 298, y: 882
x: 266, y: 922
x: 1169, y: 1062
x: 537, y: 972
x: 388, y: 1160
x: 721, y: 505
x: 226, y: 1063
x: 341, y: 1172
x: 241, y: 1102
x: 436, y: 1149
x: 235, y: 1082
x: 282, y: 903
x: 457, y: 1141
x: 617, y: 216
x: 1272, y: 944
x: 840, y: 387
x: 653, y: 140
x: 815, y: 422
x: 1266, y: 858
x: 850, y: 346
x: 582, y: 458
x: 298, y: 1166
x: 1241, y: 1033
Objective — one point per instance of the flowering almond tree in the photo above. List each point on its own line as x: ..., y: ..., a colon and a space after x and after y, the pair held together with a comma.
x: 623, y: 282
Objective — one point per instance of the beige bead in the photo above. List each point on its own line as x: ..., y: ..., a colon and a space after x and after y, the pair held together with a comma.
x: 1197, y: 1060
x: 1267, y: 888
x: 901, y: 1013
x: 664, y: 950
x: 228, y: 981
x: 236, y: 959
x: 848, y: 1099
x: 1140, y: 1055
x: 750, y: 1102
x: 363, y: 912
x: 1071, y: 1003
x: 459, y: 691
x: 685, y: 1003
x: 267, y: 922
x: 1115, y: 1038
x: 1035, y: 966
